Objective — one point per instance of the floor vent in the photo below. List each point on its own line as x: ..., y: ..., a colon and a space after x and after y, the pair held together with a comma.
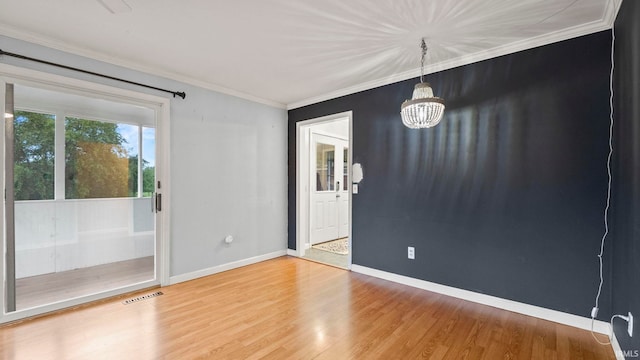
x: 143, y: 297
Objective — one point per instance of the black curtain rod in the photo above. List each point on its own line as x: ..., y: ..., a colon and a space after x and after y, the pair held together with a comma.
x: 175, y: 93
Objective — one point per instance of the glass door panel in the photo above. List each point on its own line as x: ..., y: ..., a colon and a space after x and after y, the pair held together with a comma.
x: 345, y: 170
x: 84, y: 223
x: 325, y: 162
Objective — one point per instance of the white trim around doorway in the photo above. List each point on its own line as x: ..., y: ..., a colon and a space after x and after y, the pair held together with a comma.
x: 303, y: 137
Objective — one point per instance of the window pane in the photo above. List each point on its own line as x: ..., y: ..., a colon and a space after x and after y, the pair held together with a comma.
x: 34, y: 155
x: 345, y: 169
x: 101, y: 159
x: 130, y: 135
x: 148, y: 161
x: 325, y: 160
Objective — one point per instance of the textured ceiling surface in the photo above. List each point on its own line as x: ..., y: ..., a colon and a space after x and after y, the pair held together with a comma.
x: 294, y: 52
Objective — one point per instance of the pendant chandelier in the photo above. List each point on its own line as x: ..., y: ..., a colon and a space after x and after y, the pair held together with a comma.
x: 423, y: 110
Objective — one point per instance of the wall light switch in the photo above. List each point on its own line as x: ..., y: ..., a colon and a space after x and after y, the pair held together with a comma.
x: 354, y: 189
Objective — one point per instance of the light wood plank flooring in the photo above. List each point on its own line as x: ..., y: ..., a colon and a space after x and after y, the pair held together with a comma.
x: 49, y: 288
x: 288, y: 308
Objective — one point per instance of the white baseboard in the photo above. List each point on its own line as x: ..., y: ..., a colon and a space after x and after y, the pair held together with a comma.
x: 224, y: 267
x: 514, y: 306
x: 617, y: 350
x: 292, y: 252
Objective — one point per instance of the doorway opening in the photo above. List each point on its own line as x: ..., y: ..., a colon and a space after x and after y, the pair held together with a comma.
x: 324, y: 189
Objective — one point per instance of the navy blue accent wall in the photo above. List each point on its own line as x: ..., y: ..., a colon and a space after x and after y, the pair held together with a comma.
x: 626, y: 232
x: 505, y: 196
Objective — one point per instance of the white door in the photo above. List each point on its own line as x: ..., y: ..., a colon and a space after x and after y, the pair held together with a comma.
x: 329, y: 213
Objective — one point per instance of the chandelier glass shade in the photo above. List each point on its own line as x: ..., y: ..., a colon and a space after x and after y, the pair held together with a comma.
x: 423, y: 110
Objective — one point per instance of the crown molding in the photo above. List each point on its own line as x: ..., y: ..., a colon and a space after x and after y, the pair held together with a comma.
x: 152, y: 70
x: 546, y: 39
x: 611, y: 12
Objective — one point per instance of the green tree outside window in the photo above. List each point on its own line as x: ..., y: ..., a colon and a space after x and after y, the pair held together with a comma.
x: 97, y: 162
x: 34, y: 147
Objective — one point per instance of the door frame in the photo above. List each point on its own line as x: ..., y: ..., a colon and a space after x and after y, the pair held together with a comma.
x: 303, y: 195
x: 161, y: 106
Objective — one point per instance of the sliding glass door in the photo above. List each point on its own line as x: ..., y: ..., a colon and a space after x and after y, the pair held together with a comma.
x: 81, y: 212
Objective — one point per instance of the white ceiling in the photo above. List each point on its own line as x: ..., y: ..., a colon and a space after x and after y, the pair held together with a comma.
x: 291, y: 53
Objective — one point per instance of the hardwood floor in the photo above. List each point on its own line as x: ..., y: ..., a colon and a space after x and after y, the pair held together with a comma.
x: 45, y: 289
x: 288, y: 308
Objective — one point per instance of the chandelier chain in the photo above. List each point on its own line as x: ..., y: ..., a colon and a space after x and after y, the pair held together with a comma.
x: 424, y: 53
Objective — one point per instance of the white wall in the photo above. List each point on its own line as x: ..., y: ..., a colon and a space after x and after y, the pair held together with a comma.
x: 228, y: 164
x: 230, y: 179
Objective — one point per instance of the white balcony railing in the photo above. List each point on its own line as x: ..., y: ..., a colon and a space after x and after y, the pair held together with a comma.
x: 60, y: 235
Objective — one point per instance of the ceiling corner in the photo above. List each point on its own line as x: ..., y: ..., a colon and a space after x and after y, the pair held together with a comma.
x: 611, y: 11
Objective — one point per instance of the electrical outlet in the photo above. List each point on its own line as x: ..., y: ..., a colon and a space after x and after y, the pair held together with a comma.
x: 411, y: 252
x: 630, y: 325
